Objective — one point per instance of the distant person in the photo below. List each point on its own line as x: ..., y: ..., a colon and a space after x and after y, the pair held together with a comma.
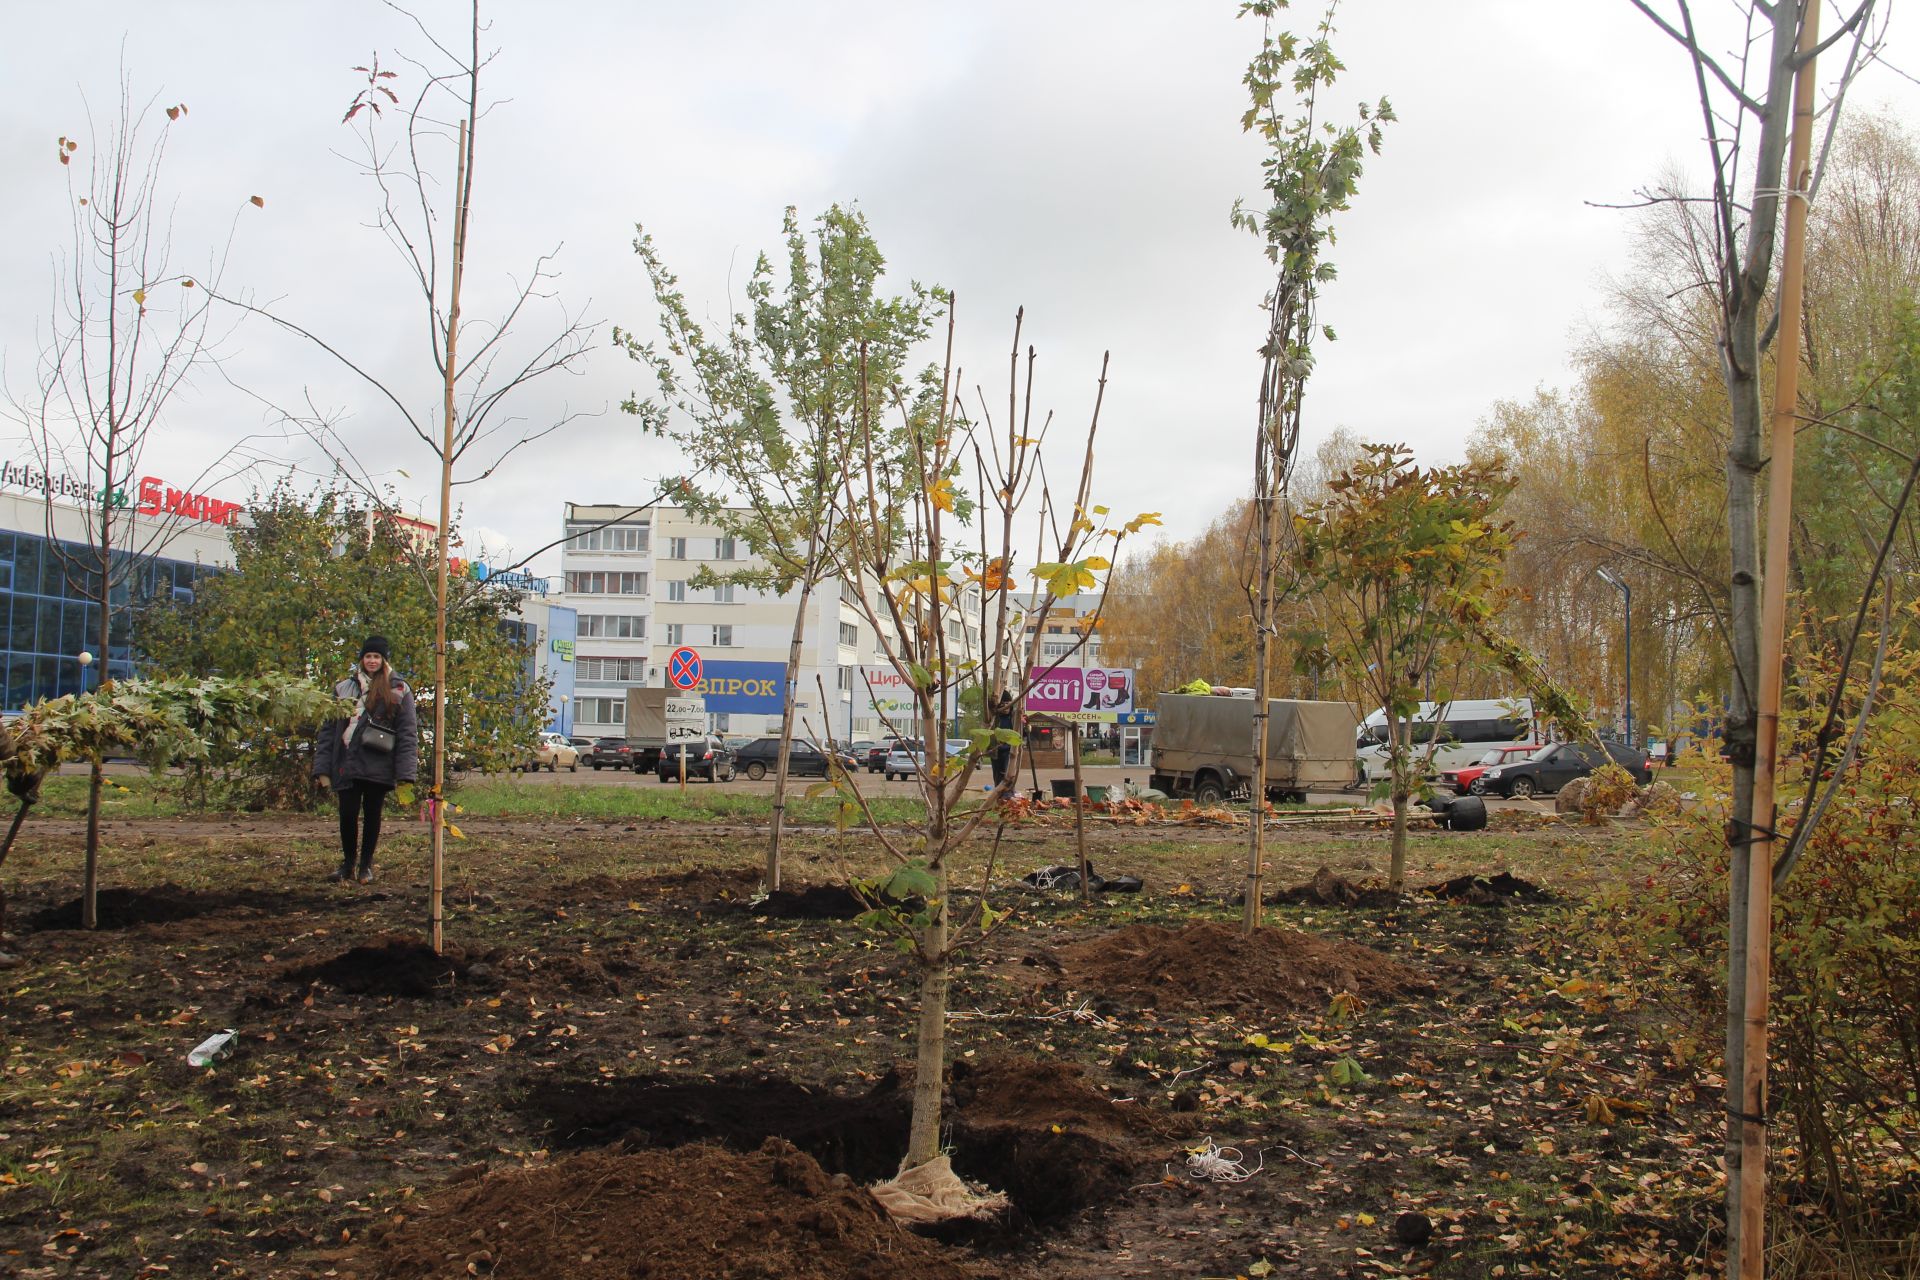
x: 366, y: 755
x: 1002, y: 718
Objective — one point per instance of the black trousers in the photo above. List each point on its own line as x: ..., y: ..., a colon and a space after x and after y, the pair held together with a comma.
x: 361, y: 805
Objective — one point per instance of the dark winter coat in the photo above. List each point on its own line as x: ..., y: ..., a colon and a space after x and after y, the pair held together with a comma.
x: 345, y: 762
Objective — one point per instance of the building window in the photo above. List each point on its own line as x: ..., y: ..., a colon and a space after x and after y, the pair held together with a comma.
x: 676, y: 548
x: 619, y: 537
x: 723, y: 594
x: 612, y: 626
x: 611, y: 670
x: 611, y: 711
x: 844, y: 679
x: 722, y: 722
x: 597, y: 582
x: 723, y: 549
x: 677, y: 590
x: 1056, y: 648
x: 723, y: 637
x: 849, y: 633
x: 676, y: 633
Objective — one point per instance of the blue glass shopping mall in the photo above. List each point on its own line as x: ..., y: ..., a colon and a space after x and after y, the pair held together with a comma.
x: 49, y: 578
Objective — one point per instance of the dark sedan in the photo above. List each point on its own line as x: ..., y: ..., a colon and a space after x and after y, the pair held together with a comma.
x: 762, y: 756
x: 608, y: 753
x: 1553, y: 767
x: 706, y: 758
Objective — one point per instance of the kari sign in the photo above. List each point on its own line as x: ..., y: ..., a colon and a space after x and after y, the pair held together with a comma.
x: 1090, y: 694
x: 742, y: 686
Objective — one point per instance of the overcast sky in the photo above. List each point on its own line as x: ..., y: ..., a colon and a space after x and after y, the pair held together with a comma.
x: 1079, y: 159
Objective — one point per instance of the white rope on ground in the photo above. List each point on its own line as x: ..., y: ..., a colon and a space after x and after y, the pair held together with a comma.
x: 1221, y: 1164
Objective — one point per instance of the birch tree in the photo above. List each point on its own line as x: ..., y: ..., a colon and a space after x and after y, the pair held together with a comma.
x: 1756, y: 86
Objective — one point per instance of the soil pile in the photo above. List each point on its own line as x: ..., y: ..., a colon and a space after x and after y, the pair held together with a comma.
x: 816, y: 902
x: 390, y: 967
x: 1215, y: 967
x: 1489, y: 891
x: 125, y: 908
x: 1328, y: 889
x: 1038, y: 1131
x: 696, y: 1213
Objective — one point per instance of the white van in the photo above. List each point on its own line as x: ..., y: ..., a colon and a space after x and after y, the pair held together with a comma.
x: 1465, y: 729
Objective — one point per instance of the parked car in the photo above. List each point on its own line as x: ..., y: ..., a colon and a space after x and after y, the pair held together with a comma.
x: 762, y: 756
x: 1471, y: 779
x: 609, y: 753
x: 1551, y: 768
x: 553, y: 753
x: 905, y: 761
x: 902, y: 762
x: 582, y: 745
x: 708, y: 758
x: 877, y: 753
x: 862, y: 749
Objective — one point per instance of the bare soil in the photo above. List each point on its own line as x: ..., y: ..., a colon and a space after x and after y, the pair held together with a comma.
x: 630, y: 1063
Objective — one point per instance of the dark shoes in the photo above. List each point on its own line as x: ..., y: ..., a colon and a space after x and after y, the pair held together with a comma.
x: 341, y: 873
x: 366, y: 874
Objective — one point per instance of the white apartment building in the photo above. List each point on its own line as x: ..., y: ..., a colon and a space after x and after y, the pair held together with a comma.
x: 628, y: 575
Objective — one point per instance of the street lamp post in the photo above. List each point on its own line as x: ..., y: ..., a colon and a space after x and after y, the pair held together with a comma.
x: 1626, y: 593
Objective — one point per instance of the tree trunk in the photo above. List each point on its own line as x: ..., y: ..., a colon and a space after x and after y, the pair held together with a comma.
x: 1397, y: 848
x: 929, y: 1077
x: 786, y: 728
x: 437, y: 890
x: 1400, y: 767
x: 1080, y: 821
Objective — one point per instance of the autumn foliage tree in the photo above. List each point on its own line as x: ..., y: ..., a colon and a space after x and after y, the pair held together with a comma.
x: 1398, y: 563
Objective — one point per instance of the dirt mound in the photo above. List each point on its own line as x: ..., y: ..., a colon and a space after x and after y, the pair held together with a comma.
x: 1036, y: 1130
x: 816, y: 902
x: 1489, y: 891
x: 697, y: 1213
x: 1327, y: 889
x: 863, y: 1137
x: 390, y: 967
x: 571, y: 974
x: 1216, y: 967
x: 125, y: 908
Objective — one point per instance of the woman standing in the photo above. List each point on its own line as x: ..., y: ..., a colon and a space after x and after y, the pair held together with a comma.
x: 367, y: 754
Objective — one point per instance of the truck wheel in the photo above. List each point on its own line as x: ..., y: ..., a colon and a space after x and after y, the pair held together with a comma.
x: 1521, y: 788
x: 756, y: 771
x: 1208, y: 791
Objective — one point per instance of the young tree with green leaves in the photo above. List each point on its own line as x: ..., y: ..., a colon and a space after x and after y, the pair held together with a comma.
x: 160, y: 722
x: 1400, y: 563
x: 1310, y: 173
x: 768, y: 410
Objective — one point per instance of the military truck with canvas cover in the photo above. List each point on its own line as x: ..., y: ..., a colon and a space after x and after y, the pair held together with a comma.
x: 1203, y: 747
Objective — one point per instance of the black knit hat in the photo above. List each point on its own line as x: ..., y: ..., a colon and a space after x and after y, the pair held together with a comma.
x: 375, y: 644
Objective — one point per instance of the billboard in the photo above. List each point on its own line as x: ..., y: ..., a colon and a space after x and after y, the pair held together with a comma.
x: 1088, y: 694
x: 750, y: 687
x: 888, y: 693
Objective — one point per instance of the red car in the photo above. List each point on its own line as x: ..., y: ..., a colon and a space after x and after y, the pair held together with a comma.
x: 1468, y: 780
